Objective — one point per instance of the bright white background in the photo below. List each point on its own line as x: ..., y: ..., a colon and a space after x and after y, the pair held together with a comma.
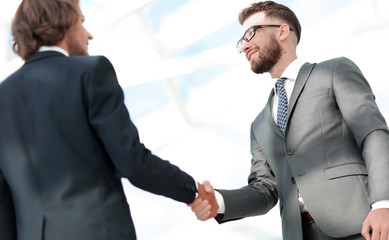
x: 193, y: 97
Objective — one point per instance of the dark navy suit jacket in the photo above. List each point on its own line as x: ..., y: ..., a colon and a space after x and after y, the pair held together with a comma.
x: 66, y: 140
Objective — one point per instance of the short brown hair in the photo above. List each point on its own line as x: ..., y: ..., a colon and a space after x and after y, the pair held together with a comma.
x: 42, y: 23
x: 274, y: 10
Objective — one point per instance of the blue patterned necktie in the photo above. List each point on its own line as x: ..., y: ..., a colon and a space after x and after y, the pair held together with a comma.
x: 282, y: 112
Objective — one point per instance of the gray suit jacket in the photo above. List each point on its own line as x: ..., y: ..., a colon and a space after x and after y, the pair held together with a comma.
x: 335, y: 151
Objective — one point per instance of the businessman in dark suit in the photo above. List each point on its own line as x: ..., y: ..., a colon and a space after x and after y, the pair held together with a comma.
x: 320, y: 145
x: 66, y: 138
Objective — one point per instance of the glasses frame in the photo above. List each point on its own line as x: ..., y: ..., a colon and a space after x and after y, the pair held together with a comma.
x: 254, y: 29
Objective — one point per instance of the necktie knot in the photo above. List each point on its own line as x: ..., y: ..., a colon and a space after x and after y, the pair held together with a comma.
x: 280, y: 83
x: 282, y: 111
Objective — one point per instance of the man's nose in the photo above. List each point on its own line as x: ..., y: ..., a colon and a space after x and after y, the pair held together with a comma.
x: 245, y: 46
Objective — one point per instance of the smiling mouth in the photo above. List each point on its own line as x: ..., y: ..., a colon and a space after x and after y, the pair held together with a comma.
x: 249, y: 56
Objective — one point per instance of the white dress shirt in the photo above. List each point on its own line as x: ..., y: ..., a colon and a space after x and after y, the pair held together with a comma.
x: 53, y: 48
x: 290, y: 74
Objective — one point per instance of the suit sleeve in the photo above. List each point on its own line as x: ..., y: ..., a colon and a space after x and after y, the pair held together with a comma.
x: 357, y: 104
x: 110, y: 119
x: 258, y: 197
x: 7, y: 212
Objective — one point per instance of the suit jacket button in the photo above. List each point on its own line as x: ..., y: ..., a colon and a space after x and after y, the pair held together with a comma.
x: 290, y: 151
x: 293, y: 180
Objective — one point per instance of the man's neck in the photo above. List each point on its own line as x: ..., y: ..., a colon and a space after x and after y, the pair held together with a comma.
x: 281, y: 65
x: 63, y: 44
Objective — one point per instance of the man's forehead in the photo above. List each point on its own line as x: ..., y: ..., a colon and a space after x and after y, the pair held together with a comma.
x: 258, y: 18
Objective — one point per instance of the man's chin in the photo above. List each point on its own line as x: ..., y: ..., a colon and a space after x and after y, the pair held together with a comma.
x: 257, y: 70
x: 262, y: 68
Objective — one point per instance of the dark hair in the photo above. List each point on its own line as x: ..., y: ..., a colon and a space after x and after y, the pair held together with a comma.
x: 42, y: 23
x: 274, y: 10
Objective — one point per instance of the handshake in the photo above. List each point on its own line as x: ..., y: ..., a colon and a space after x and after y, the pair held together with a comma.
x: 205, y: 205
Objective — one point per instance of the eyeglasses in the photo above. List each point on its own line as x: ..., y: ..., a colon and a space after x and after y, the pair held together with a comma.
x: 250, y: 33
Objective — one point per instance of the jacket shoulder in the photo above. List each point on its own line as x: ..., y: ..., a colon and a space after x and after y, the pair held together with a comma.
x: 336, y: 61
x: 89, y: 60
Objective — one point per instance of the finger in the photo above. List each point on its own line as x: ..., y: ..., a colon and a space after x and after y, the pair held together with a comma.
x: 203, y: 206
x: 196, y: 202
x: 366, y: 231
x: 384, y: 235
x: 375, y: 235
x: 204, y: 218
x: 197, y: 207
x: 204, y: 214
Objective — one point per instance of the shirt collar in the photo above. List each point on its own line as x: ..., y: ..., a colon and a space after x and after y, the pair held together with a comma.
x: 293, y: 69
x: 291, y: 72
x: 53, y: 48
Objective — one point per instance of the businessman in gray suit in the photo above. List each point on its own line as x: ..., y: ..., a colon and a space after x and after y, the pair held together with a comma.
x: 66, y: 138
x: 320, y: 145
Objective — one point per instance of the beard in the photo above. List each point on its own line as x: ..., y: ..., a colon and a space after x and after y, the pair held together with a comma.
x: 267, y: 58
x: 75, y: 48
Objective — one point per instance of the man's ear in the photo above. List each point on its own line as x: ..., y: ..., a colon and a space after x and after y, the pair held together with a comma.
x: 284, y: 32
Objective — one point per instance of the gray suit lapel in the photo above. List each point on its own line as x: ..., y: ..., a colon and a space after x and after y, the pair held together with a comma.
x: 302, y: 78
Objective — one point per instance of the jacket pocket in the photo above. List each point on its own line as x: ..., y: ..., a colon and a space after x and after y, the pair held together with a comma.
x: 350, y: 169
x: 314, y: 94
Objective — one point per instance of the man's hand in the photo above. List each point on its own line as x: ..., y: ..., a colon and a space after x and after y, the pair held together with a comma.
x: 376, y: 225
x: 205, y: 205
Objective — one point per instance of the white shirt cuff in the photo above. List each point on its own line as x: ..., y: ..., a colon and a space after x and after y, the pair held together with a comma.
x: 197, y: 188
x: 220, y: 202
x: 380, y: 204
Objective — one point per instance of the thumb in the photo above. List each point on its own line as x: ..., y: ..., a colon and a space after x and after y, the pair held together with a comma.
x: 207, y: 186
